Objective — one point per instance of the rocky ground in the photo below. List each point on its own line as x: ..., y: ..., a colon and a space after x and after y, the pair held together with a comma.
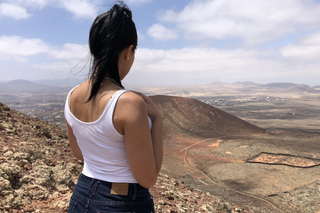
x: 38, y: 172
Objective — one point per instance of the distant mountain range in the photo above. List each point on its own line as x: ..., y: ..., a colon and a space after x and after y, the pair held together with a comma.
x: 23, y: 86
x: 64, y: 85
x: 268, y: 85
x: 68, y: 82
x: 40, y: 86
x: 278, y: 86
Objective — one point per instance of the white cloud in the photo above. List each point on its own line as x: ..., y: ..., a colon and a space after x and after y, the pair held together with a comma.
x: 68, y: 59
x: 13, y: 11
x: 205, y: 65
x: 76, y: 68
x: 70, y: 51
x: 27, y: 57
x: 135, y: 2
x: 39, y: 4
x: 87, y: 9
x: 161, y: 33
x: 16, y: 46
x: 195, y: 60
x: 313, y: 39
x: 17, y: 9
x: 20, y: 48
x: 141, y: 36
x: 302, y: 52
x: 306, y: 49
x: 80, y: 8
x: 254, y: 21
x: 52, y: 66
x: 73, y: 66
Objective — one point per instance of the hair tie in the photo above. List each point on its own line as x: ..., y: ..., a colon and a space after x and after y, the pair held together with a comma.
x: 125, y: 13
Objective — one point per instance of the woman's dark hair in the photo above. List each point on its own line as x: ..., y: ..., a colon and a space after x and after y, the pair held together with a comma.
x: 110, y: 33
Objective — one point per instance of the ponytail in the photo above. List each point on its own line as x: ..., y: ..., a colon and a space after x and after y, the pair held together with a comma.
x: 110, y: 33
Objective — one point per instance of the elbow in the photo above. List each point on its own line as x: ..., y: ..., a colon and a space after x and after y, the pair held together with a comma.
x: 79, y: 158
x: 148, y: 181
x: 78, y: 155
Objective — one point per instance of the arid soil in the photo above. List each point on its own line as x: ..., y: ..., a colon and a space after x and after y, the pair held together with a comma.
x: 213, y: 161
x: 285, y: 159
x: 38, y: 172
x: 263, y: 171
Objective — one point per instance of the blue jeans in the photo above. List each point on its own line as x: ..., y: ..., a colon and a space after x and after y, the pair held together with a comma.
x: 91, y: 195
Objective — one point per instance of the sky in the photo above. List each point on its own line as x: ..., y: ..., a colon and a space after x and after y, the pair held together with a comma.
x: 181, y: 42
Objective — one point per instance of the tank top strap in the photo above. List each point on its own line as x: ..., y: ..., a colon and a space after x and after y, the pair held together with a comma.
x: 115, y: 97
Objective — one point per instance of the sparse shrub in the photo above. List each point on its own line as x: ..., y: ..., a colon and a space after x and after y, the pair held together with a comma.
x: 64, y: 136
x: 11, y: 173
x: 224, y: 206
x: 34, y: 154
x: 2, y: 127
x: 62, y: 176
x: 46, y: 132
x: 6, y: 108
x: 15, y: 132
x: 5, y: 187
x: 43, y: 176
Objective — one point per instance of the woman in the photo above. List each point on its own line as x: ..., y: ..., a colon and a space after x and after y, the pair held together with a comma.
x: 117, y: 133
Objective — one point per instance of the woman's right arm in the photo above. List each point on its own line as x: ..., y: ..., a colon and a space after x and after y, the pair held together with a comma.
x: 143, y: 147
x: 73, y: 143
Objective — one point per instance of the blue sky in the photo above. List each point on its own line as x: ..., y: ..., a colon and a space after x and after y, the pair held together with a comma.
x: 181, y: 42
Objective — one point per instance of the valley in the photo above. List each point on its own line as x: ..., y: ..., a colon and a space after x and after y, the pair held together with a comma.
x: 244, y: 143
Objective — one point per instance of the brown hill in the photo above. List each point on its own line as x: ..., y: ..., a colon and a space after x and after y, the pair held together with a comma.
x: 190, y: 117
x: 301, y: 88
x: 38, y: 170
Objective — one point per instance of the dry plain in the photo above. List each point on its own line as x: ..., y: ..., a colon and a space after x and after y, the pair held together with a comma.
x: 271, y: 168
x: 276, y: 171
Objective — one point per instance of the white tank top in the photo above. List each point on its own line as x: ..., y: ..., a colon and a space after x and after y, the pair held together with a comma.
x: 102, y: 146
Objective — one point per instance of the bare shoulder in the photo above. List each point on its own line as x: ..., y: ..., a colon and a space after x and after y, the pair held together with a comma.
x: 131, y: 98
x: 130, y: 106
x: 80, y: 92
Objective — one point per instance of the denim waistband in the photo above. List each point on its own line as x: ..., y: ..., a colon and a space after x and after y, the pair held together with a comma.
x: 108, y: 187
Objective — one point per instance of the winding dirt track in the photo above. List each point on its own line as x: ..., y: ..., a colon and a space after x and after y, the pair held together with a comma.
x: 186, y: 149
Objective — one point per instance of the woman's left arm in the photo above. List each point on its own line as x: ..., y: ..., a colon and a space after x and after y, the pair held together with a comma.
x: 143, y: 148
x: 156, y: 131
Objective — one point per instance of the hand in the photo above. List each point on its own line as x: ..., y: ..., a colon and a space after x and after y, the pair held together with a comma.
x: 151, y: 108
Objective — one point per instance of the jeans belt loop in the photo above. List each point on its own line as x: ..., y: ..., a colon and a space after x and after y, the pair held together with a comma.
x: 135, y: 186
